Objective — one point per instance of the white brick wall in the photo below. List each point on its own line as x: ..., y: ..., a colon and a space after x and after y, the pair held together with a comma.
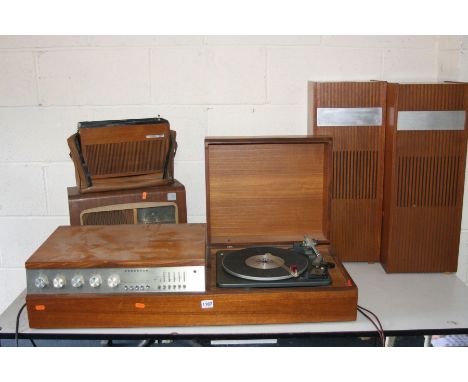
x: 204, y: 85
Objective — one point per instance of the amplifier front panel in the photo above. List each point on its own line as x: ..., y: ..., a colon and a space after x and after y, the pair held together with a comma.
x: 116, y: 280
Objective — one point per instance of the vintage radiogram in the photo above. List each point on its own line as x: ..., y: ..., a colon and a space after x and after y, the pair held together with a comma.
x: 353, y: 113
x: 425, y: 155
x: 262, y: 198
x: 160, y: 204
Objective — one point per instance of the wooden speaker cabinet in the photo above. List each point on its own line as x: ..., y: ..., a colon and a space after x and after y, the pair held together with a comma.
x: 159, y: 204
x: 425, y: 154
x: 353, y: 113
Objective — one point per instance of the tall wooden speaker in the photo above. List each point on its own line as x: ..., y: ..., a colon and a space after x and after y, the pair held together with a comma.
x: 425, y: 154
x: 353, y: 113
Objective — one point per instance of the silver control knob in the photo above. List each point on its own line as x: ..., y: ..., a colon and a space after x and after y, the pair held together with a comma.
x: 95, y: 281
x: 77, y: 281
x: 113, y: 281
x: 41, y: 281
x: 59, y: 281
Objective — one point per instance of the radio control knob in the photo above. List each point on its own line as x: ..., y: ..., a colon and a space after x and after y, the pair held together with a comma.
x: 59, y: 281
x: 77, y: 281
x: 41, y: 281
x: 113, y: 281
x: 95, y: 281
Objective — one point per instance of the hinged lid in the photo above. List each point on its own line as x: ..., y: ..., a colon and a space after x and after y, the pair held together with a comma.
x: 267, y: 189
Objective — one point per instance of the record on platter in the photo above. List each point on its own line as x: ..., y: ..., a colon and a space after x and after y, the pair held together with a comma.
x: 264, y: 263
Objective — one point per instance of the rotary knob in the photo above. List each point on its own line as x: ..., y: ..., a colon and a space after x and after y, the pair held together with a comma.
x: 59, y: 281
x: 77, y: 281
x: 41, y: 281
x: 95, y: 281
x: 113, y: 281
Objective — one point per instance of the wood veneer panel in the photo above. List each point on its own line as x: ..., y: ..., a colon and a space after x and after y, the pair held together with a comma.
x: 121, y: 246
x: 77, y: 202
x: 358, y: 153
x: 267, y: 190
x: 231, y: 306
x: 424, y: 182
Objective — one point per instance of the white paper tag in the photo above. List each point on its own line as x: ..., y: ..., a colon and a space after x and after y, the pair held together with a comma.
x: 207, y: 304
x: 171, y: 196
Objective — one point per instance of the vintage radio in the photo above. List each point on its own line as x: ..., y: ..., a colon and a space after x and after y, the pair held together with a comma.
x: 261, y: 194
x: 353, y: 113
x: 160, y: 204
x: 123, y: 154
x: 425, y: 154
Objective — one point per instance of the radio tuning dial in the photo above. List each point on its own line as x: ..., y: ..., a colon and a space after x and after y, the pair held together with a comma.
x: 41, y: 281
x: 59, y: 281
x: 113, y: 281
x: 77, y: 281
x: 95, y: 281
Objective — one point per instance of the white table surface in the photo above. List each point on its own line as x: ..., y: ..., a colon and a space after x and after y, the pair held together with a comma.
x: 429, y: 303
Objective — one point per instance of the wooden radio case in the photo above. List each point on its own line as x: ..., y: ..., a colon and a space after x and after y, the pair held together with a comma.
x: 353, y: 113
x: 123, y: 154
x: 425, y: 154
x: 160, y: 204
x: 260, y: 191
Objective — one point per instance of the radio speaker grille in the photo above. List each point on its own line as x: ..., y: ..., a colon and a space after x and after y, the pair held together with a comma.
x: 108, y: 217
x: 126, y: 157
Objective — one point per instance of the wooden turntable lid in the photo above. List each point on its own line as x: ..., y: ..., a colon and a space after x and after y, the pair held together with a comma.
x: 115, y: 246
x: 267, y: 189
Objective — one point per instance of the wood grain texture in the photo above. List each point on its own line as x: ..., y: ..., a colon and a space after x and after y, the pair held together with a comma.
x: 120, y: 158
x: 231, y: 306
x: 424, y: 181
x: 267, y: 190
x: 116, y: 246
x: 358, y: 153
x: 77, y: 202
x: 125, y: 150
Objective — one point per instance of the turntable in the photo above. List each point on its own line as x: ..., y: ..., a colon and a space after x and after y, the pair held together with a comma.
x: 273, y: 267
x: 266, y: 199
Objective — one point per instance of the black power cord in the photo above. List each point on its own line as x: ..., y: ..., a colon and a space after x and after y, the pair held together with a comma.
x: 17, y: 327
x: 377, y: 324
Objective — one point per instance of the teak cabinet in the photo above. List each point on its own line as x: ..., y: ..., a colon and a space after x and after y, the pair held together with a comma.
x: 353, y: 113
x: 425, y: 154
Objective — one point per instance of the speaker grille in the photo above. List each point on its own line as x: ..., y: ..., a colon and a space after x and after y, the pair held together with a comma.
x: 428, y: 181
x: 355, y: 174
x: 126, y: 158
x: 108, y: 217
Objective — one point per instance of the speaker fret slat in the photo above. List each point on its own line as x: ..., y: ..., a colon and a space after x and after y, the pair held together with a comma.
x: 427, y: 181
x: 125, y: 157
x: 355, y: 174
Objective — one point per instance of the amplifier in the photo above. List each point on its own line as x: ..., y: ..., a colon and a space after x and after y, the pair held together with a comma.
x: 353, y: 113
x: 158, y: 204
x: 425, y: 155
x: 119, y: 260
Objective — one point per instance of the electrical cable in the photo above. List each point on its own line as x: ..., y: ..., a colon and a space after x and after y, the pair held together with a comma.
x: 17, y: 328
x: 378, y: 325
x: 17, y: 324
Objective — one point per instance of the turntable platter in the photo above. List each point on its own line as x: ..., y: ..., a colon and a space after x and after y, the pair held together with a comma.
x: 264, y: 263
